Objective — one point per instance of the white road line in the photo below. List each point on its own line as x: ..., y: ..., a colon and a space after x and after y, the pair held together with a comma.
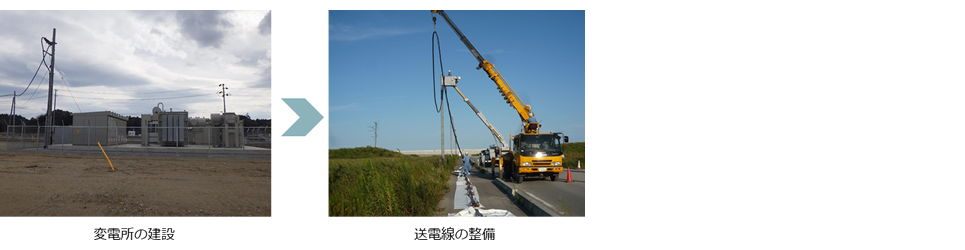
x: 541, y: 200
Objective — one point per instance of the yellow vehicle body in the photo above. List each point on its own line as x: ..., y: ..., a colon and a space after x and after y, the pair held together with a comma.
x: 535, y: 165
x: 534, y: 155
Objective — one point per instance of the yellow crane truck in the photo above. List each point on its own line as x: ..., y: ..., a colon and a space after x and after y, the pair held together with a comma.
x: 533, y: 153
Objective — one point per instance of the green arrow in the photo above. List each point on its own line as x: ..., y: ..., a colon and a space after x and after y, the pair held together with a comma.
x: 308, y: 116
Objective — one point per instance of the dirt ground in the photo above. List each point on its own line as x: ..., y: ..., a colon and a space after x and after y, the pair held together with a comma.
x: 39, y: 184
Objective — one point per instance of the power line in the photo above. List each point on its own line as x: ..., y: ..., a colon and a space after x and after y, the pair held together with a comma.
x: 136, y: 93
x: 34, y: 93
x: 43, y: 61
x: 68, y: 90
x: 140, y: 99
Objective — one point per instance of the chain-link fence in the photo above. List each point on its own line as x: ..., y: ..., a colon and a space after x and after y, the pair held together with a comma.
x: 210, y: 141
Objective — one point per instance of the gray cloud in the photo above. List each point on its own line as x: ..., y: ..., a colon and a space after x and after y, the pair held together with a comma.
x: 264, y: 79
x: 250, y: 58
x: 121, y: 60
x: 207, y: 27
x: 86, y: 75
x: 264, y: 27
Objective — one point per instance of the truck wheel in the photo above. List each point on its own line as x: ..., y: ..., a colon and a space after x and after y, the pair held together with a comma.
x: 506, y: 174
x: 517, y: 175
x: 553, y: 177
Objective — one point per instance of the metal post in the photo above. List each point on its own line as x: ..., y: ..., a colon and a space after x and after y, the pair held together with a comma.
x: 177, y: 148
x: 50, y: 90
x: 13, y: 114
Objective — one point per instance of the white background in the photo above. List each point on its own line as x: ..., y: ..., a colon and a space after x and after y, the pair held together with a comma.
x: 739, y: 125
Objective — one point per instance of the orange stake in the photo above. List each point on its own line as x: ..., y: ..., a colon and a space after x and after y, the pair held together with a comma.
x: 105, y: 156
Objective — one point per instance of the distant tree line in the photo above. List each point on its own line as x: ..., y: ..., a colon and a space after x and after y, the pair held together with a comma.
x: 61, y: 118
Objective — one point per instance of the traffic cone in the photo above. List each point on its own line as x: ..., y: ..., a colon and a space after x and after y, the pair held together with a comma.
x: 568, y: 177
x: 578, y: 165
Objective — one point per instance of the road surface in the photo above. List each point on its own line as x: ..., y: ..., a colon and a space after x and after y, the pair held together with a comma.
x: 563, y: 198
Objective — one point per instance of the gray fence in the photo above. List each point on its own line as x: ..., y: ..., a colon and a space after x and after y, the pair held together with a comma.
x: 248, y: 142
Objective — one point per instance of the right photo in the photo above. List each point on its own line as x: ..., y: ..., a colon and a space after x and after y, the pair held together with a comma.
x: 450, y: 113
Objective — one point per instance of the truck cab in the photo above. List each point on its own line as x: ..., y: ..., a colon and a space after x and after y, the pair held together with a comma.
x: 537, y: 155
x: 484, y: 158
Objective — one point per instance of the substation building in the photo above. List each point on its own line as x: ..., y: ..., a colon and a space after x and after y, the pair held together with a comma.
x: 105, y: 127
x: 175, y: 128
x: 169, y: 128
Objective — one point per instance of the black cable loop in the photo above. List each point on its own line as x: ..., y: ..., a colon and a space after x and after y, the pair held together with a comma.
x: 436, y: 45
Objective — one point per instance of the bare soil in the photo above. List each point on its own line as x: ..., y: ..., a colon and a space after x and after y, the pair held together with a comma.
x: 41, y: 184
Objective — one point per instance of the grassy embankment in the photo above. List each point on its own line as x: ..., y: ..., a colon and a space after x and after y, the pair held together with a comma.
x: 574, y: 152
x: 377, y: 182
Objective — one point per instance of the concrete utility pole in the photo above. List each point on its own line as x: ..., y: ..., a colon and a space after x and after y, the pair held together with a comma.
x: 13, y: 108
x: 442, y: 137
x: 50, y: 90
x: 54, y: 113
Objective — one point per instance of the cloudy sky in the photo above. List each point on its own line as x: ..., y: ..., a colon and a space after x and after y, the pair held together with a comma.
x: 128, y: 61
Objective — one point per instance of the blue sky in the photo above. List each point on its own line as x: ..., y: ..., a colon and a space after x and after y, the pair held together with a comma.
x: 381, y: 71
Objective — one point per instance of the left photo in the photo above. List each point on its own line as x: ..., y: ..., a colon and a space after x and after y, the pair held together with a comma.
x: 135, y: 113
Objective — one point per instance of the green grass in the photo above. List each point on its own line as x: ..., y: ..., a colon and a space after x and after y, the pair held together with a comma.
x: 361, y: 153
x: 378, y: 182
x: 574, y: 152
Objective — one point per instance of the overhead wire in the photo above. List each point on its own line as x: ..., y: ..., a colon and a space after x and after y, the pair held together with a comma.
x: 34, y: 93
x: 452, y: 125
x: 436, y: 44
x: 444, y: 94
x: 142, y: 99
x: 43, y: 61
x: 137, y: 93
x: 68, y: 90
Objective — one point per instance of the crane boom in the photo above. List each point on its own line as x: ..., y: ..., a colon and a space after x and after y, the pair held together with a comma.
x: 532, y: 154
x: 531, y: 125
x: 502, y: 143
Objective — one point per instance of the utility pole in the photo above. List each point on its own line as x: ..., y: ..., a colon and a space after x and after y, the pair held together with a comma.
x: 13, y: 110
x: 223, y: 95
x: 442, y: 124
x: 375, y: 129
x: 13, y: 113
x: 50, y: 90
x: 55, y: 108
